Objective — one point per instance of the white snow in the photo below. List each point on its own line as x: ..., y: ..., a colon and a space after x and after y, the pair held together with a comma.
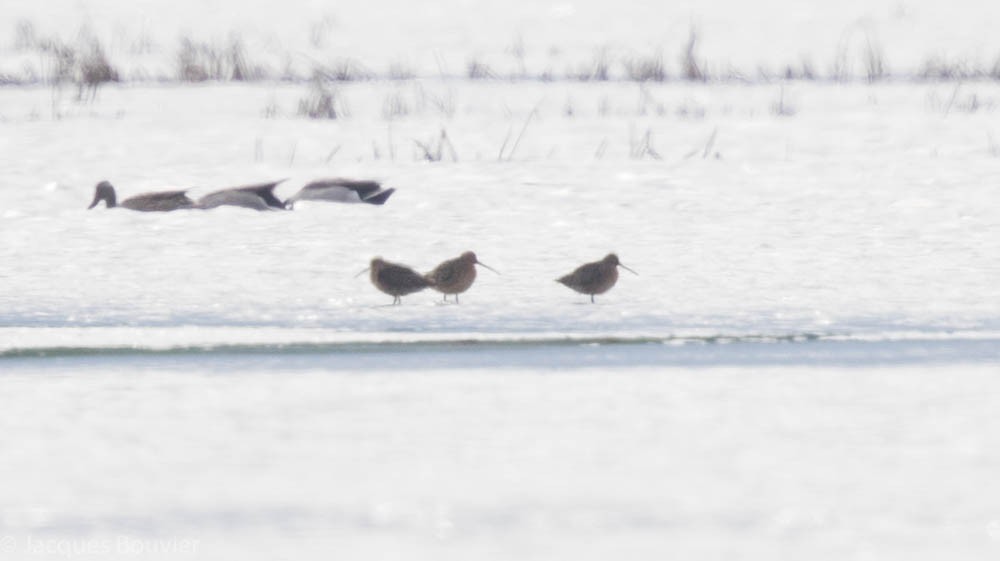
x: 869, y: 209
x: 804, y: 367
x: 561, y: 38
x: 481, y: 430
x: 757, y: 462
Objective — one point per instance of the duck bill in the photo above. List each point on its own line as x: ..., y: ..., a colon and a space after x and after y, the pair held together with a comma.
x: 627, y: 269
x: 481, y: 264
x: 97, y: 198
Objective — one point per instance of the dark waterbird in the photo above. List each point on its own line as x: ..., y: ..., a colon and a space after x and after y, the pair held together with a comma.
x: 342, y: 191
x: 257, y: 197
x: 161, y: 201
x: 455, y: 276
x: 595, y: 278
x: 394, y: 279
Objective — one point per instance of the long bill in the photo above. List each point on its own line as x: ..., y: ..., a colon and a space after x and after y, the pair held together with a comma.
x: 487, y: 266
x: 365, y: 270
x: 627, y: 269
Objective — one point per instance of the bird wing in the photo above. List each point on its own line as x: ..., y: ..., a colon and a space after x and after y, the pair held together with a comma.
x: 233, y: 197
x: 161, y: 200
x: 584, y: 275
x: 363, y: 187
x: 381, y: 197
x: 161, y: 196
x: 444, y: 273
x: 265, y: 191
x: 402, y: 278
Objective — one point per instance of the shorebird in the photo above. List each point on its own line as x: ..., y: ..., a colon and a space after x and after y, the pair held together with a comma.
x: 342, y: 191
x: 257, y: 197
x: 455, y: 276
x: 394, y: 279
x: 161, y: 201
x: 595, y: 278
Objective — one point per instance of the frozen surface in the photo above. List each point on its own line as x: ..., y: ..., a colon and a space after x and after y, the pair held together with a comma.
x: 805, y: 367
x: 249, y: 460
x: 870, y: 209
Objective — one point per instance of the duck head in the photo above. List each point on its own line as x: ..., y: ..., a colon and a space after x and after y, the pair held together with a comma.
x: 104, y: 192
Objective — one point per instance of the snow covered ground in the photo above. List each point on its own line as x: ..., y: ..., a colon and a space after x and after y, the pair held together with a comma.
x: 566, y: 37
x: 869, y: 209
x: 804, y: 367
x: 253, y: 458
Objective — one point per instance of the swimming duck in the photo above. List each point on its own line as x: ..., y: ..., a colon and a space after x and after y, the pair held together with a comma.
x: 257, y: 197
x: 161, y: 201
x: 342, y: 191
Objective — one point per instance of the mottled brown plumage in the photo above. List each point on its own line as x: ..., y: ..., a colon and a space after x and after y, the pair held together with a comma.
x: 396, y: 280
x: 455, y: 276
x: 149, y: 202
x: 595, y: 278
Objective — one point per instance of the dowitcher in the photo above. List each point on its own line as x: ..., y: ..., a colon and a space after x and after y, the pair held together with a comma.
x: 342, y: 191
x: 455, y: 276
x: 394, y: 279
x: 257, y: 197
x: 595, y: 278
x: 161, y: 201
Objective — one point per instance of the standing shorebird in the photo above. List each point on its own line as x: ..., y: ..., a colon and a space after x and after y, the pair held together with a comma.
x: 595, y: 278
x: 395, y: 280
x: 455, y: 276
x: 162, y: 201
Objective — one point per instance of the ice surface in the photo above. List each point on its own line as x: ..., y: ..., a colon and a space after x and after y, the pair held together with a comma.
x: 805, y: 367
x: 760, y: 462
x: 868, y: 210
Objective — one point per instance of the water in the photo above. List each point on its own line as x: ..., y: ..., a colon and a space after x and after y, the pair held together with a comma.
x: 414, y: 352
